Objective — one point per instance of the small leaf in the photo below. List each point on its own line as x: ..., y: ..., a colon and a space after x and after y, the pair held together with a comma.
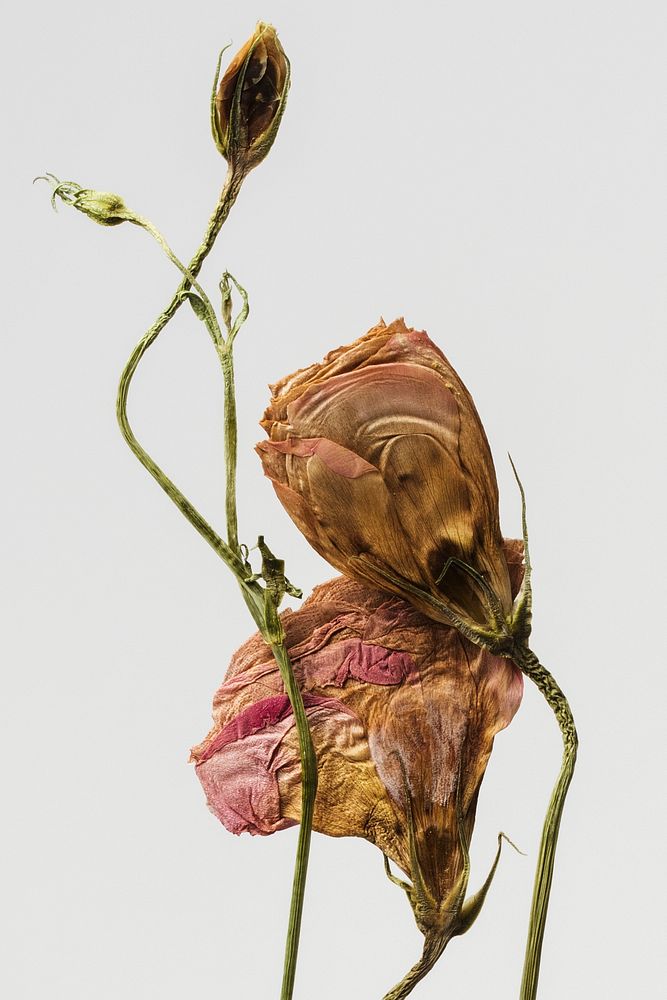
x: 472, y: 906
x: 198, y: 307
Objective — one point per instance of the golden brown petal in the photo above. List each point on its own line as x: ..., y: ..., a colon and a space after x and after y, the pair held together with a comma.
x: 251, y: 98
x: 421, y: 512
x: 403, y: 713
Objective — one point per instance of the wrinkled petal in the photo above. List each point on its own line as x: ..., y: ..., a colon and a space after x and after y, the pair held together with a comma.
x: 403, y: 713
x: 340, y: 460
x: 381, y: 460
x: 250, y: 99
x: 240, y: 766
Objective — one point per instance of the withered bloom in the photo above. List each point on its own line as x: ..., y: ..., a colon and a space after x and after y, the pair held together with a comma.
x: 403, y: 713
x: 380, y: 458
x: 251, y: 99
x: 103, y: 207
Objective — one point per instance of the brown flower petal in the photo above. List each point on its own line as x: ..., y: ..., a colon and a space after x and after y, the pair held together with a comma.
x: 251, y: 99
x: 403, y: 712
x: 381, y: 460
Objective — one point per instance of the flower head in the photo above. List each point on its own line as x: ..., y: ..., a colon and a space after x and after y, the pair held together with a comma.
x: 103, y: 207
x: 402, y: 712
x: 250, y: 99
x: 380, y: 458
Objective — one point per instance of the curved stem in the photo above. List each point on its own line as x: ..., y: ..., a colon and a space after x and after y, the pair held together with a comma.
x: 230, y: 551
x: 528, y: 663
x: 148, y: 226
x: 227, y: 198
x: 433, y: 949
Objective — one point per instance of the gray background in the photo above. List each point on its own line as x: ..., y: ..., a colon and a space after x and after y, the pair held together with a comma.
x: 495, y: 173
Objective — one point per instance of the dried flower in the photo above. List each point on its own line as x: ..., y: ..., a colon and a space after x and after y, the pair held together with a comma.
x: 403, y: 712
x: 380, y: 458
x: 251, y: 98
x: 103, y: 207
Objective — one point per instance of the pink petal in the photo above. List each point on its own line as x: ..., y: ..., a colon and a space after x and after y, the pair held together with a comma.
x: 351, y: 658
x: 335, y: 456
x: 240, y: 767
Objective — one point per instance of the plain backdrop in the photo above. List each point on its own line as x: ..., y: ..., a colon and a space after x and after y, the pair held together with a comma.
x: 493, y: 171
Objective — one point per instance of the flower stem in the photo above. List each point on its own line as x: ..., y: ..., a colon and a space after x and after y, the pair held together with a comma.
x: 226, y: 200
x: 272, y: 631
x: 434, y: 946
x: 308, y: 792
x: 231, y: 444
x: 230, y: 551
x: 528, y: 663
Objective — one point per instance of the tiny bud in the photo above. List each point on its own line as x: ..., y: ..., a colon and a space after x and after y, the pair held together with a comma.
x: 232, y: 323
x: 226, y: 293
x: 103, y: 207
x: 250, y: 100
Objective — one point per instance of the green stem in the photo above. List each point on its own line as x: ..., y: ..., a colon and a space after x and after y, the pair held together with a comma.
x: 272, y: 632
x: 229, y: 551
x: 433, y: 949
x: 528, y: 663
x: 231, y: 445
x: 190, y: 279
x: 227, y: 198
x: 308, y: 792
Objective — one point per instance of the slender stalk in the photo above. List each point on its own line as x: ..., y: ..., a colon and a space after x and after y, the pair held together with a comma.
x: 433, y: 949
x: 528, y: 663
x: 211, y: 319
x: 308, y: 792
x: 227, y: 198
x: 231, y: 445
x: 230, y: 551
x: 272, y: 632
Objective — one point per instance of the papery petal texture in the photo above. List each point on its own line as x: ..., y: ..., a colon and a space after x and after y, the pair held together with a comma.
x: 380, y: 458
x: 250, y: 99
x: 403, y: 712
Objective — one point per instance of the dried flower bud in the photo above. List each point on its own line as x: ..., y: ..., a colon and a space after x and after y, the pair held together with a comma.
x: 380, y: 458
x: 251, y: 98
x: 103, y: 207
x: 403, y: 713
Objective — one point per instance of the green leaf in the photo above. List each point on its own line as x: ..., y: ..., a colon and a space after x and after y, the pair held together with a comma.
x: 198, y: 307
